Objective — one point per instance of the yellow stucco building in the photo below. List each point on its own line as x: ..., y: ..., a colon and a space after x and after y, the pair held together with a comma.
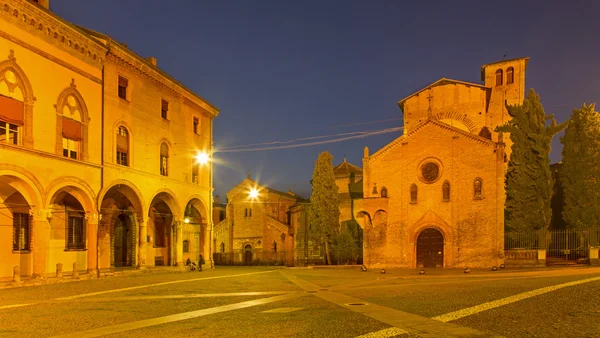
x: 97, y: 152
x: 434, y: 197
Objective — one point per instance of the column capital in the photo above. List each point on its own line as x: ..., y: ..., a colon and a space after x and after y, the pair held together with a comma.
x: 39, y: 214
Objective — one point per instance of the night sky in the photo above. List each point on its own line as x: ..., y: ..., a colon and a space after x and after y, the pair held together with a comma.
x: 281, y: 70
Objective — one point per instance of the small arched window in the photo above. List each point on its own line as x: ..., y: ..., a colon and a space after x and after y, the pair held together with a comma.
x: 250, y: 212
x: 122, y: 146
x: 274, y: 246
x: 246, y: 212
x: 222, y: 247
x: 164, y: 159
x: 499, y: 77
x: 384, y: 193
x: 446, y: 191
x: 413, y: 193
x: 510, y: 75
x: 478, y: 189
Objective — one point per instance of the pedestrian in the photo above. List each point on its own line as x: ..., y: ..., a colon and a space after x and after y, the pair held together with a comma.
x: 200, y: 263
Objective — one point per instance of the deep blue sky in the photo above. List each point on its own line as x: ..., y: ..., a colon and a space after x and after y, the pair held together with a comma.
x: 280, y: 70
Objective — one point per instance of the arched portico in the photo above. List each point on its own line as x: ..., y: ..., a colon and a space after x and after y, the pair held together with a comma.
x: 164, y: 230
x: 121, y: 211
x: 21, y: 211
x: 73, y: 225
x: 196, y: 229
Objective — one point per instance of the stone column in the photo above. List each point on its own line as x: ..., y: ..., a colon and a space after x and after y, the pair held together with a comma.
x: 179, y: 243
x: 206, y: 250
x: 143, y: 242
x: 92, y: 246
x: 40, y: 238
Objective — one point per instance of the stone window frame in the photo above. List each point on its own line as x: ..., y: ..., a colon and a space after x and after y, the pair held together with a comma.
x: 126, y: 93
x: 61, y: 102
x: 499, y: 77
x: 478, y: 191
x: 164, y: 171
x: 425, y: 162
x: 510, y: 75
x: 22, y: 82
x: 120, y: 125
x: 384, y: 192
x: 414, y: 194
x: 186, y: 246
x: 446, y: 191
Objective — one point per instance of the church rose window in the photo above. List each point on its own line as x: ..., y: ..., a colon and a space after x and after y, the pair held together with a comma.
x: 430, y: 172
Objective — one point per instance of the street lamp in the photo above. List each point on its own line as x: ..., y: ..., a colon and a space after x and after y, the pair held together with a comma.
x: 253, y: 193
x: 202, y: 157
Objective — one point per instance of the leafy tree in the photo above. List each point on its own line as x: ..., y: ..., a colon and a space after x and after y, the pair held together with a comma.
x: 529, y: 180
x: 580, y: 172
x: 325, y: 210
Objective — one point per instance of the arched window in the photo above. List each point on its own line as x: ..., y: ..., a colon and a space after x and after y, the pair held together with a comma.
x: 274, y: 246
x: 71, y: 128
x: 374, y: 192
x: 164, y: 159
x: 122, y: 146
x: 222, y: 247
x: 446, y: 191
x: 12, y: 107
x: 510, y: 75
x: 478, y: 189
x: 250, y: 212
x: 384, y: 192
x: 246, y: 212
x: 413, y: 193
x: 186, y: 246
x: 499, y: 77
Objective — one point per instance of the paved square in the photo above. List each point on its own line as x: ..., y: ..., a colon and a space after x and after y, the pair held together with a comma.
x: 325, y: 302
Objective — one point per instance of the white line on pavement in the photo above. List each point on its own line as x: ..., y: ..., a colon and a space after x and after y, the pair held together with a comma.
x: 385, y: 333
x: 159, y: 284
x: 508, y: 300
x: 13, y: 305
x: 102, y: 331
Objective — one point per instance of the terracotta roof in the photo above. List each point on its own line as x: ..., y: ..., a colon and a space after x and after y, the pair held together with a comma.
x: 346, y: 168
x: 439, y: 82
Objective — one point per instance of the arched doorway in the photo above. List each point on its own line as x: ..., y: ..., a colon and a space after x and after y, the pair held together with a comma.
x: 430, y: 249
x: 120, y: 209
x: 194, y: 231
x: 248, y: 254
x: 123, y: 241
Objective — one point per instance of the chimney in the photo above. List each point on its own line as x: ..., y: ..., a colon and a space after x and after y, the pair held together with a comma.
x: 152, y: 60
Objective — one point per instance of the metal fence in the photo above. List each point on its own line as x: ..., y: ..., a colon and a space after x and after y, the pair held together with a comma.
x: 242, y: 257
x: 562, y: 246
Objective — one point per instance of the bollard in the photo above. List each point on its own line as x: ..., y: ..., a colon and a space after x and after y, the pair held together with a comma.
x: 59, y: 270
x: 17, y: 274
x: 75, y: 270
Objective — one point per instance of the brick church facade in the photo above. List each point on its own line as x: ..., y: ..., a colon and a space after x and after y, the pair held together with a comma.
x: 434, y: 197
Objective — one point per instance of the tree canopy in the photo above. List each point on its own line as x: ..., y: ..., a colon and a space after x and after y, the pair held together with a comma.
x: 529, y: 182
x: 580, y: 171
x: 324, y: 211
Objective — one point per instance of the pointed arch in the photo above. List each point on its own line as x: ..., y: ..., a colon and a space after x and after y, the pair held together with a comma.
x: 446, y: 191
x: 414, y: 191
x: 72, y: 121
x: 18, y: 87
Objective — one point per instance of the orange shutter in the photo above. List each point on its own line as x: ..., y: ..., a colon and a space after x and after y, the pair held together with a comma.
x: 122, y: 144
x: 71, y: 129
x: 11, y: 111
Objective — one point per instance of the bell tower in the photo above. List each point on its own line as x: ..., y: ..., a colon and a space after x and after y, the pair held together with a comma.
x: 506, y: 82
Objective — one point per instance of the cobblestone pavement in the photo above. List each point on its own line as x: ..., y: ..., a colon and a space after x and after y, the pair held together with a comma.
x: 327, y: 302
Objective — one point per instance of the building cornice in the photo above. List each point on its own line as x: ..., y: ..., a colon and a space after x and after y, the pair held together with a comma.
x: 53, y: 30
x: 136, y: 64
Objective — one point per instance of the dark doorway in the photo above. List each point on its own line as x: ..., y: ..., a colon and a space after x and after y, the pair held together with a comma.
x: 430, y: 249
x: 122, y: 241
x: 248, y: 255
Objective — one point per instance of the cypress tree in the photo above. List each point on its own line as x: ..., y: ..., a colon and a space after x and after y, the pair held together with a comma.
x: 325, y: 209
x: 580, y: 172
x: 529, y: 181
